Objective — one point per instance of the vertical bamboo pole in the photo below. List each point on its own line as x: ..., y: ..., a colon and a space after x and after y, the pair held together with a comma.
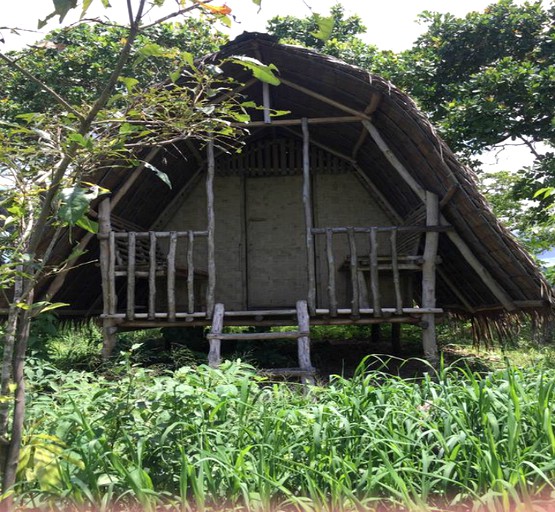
x: 303, y: 342
x: 307, y: 202
x: 266, y: 102
x: 355, y: 303
x: 429, y: 278
x: 374, y: 273
x: 131, y: 249
x: 104, y: 228
x: 152, y: 276
x: 396, y: 276
x: 211, y: 226
x: 190, y: 273
x: 214, y: 357
x: 112, y: 274
x: 332, y: 295
x: 107, y: 256
x: 171, y: 275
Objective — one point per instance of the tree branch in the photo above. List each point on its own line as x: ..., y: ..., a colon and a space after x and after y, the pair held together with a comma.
x: 176, y: 13
x: 42, y: 85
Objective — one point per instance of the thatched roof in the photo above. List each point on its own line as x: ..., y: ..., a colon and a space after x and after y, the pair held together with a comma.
x: 339, y: 89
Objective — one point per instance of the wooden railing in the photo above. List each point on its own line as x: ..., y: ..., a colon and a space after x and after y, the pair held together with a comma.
x: 135, y: 255
x: 403, y: 247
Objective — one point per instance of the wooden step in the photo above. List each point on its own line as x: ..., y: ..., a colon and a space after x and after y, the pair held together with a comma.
x: 289, y: 372
x: 257, y: 335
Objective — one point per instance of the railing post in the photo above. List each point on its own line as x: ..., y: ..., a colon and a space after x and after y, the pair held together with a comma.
x: 152, y: 275
x: 171, y: 276
x: 374, y: 273
x: 131, y: 249
x: 210, y: 292
x: 332, y: 295
x: 355, y: 303
x: 307, y: 202
x: 107, y: 256
x: 429, y: 278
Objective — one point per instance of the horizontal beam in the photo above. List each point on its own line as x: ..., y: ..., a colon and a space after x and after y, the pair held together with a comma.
x: 298, y: 122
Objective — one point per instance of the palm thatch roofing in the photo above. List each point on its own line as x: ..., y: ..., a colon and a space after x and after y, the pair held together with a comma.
x: 316, y: 86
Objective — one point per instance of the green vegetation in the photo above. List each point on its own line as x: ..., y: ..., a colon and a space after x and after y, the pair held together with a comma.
x: 200, y: 439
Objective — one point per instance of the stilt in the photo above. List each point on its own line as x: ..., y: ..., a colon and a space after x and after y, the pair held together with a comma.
x: 303, y: 342
x: 109, y: 336
x: 214, y: 356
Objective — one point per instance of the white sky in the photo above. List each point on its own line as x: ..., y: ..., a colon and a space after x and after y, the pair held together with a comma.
x: 391, y: 25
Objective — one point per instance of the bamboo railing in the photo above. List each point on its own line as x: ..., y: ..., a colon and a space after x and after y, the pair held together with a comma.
x: 403, y: 247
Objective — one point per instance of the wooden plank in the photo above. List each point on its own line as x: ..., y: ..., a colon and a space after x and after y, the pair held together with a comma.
x: 385, y: 311
x: 288, y: 372
x: 190, y: 273
x: 171, y: 275
x: 396, y: 276
x: 214, y: 357
x: 332, y: 294
x: 307, y: 203
x: 211, y: 288
x: 256, y: 336
x: 355, y: 303
x: 429, y: 278
x: 152, y: 275
x: 112, y: 275
x: 131, y: 249
x: 303, y: 343
x: 374, y: 273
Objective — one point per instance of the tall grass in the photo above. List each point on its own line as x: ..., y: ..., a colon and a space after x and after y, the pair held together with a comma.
x: 199, y: 439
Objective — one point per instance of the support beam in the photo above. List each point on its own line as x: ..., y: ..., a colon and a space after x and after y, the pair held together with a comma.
x: 325, y: 99
x: 307, y: 203
x: 455, y: 238
x: 429, y: 278
x: 303, y: 343
x: 211, y: 227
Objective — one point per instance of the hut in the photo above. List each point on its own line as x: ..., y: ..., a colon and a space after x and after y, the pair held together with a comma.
x: 347, y: 210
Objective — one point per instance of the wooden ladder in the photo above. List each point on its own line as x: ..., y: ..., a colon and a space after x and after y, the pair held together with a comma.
x: 305, y: 371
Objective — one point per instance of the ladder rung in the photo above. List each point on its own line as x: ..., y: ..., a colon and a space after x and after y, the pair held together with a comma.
x: 289, y: 371
x: 257, y: 335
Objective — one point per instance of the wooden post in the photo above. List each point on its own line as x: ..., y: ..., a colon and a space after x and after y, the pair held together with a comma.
x: 131, y: 249
x: 210, y: 292
x: 214, y: 357
x: 303, y: 343
x: 332, y: 295
x: 106, y: 257
x: 171, y: 276
x: 112, y: 274
x: 396, y: 276
x: 152, y: 276
x: 266, y: 102
x: 190, y: 273
x: 355, y: 303
x: 307, y: 202
x: 374, y: 273
x: 429, y: 278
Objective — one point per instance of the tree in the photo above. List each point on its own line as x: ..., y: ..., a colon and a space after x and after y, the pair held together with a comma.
x: 486, y: 80
x: 49, y: 152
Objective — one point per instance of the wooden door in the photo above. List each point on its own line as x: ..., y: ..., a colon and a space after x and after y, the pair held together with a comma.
x: 276, y: 248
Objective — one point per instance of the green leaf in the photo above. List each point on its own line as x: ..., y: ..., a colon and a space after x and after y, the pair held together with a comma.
x: 87, y: 224
x: 264, y: 72
x: 257, y: 2
x: 74, y: 203
x: 162, y: 175
x: 84, y: 142
x: 325, y: 27
x: 129, y: 82
x: 85, y: 8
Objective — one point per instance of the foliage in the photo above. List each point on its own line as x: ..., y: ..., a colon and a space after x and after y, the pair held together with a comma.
x: 78, y: 60
x: 209, y: 438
